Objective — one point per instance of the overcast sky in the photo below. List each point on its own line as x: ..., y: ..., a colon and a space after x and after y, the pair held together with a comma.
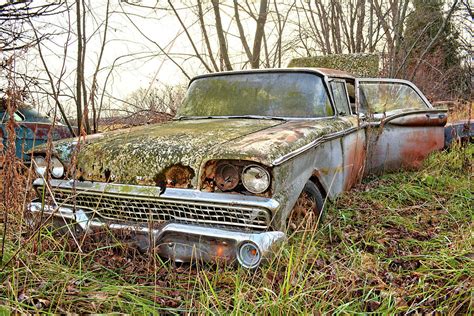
x: 133, y: 35
x: 131, y: 38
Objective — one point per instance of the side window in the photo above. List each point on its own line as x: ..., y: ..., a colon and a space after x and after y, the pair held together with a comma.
x: 381, y: 97
x: 340, y: 97
x: 352, y: 96
x: 17, y: 116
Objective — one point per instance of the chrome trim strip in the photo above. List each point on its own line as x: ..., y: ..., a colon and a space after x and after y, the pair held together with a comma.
x: 387, y: 117
x: 315, y: 143
x: 328, y: 137
x: 189, y: 195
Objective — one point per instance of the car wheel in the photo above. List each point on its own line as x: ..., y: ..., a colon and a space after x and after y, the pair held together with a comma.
x: 308, y: 210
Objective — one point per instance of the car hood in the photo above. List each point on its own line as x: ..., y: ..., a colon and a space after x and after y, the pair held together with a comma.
x: 141, y: 155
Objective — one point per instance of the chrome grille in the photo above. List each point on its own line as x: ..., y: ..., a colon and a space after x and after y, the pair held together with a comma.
x: 128, y: 208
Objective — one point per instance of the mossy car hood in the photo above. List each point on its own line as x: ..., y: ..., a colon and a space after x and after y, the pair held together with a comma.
x: 138, y: 155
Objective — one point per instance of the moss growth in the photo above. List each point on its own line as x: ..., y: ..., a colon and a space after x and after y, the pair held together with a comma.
x: 362, y: 65
x: 139, y: 155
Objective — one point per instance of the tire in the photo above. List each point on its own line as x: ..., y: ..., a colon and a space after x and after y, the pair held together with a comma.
x: 308, y: 212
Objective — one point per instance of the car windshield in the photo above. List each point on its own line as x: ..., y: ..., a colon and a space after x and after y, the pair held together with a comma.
x: 269, y: 94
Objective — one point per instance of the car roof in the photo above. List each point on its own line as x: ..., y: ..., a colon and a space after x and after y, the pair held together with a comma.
x: 335, y: 73
x: 326, y: 72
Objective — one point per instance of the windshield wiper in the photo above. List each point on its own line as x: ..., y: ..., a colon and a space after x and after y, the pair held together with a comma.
x: 254, y: 117
x: 257, y: 117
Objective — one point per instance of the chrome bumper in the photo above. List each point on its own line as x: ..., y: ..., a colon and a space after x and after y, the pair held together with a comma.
x: 179, y: 242
x: 136, y: 203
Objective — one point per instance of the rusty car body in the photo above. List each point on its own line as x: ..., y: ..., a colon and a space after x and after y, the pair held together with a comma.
x: 32, y: 128
x: 221, y: 180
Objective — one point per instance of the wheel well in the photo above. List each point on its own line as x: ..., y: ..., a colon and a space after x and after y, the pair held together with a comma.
x: 316, y: 181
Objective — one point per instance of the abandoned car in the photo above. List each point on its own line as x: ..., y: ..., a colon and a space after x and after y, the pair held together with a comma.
x: 226, y: 179
x: 32, y: 128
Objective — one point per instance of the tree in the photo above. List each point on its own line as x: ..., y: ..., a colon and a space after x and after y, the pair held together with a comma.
x: 432, y: 47
x: 15, y: 33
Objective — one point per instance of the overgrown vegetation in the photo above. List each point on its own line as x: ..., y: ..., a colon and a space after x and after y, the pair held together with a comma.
x: 397, y: 243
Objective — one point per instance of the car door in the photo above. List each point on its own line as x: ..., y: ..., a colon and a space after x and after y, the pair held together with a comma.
x: 403, y: 128
x: 21, y: 132
x: 353, y: 142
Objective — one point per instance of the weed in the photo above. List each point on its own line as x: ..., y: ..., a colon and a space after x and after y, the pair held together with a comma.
x: 398, y: 243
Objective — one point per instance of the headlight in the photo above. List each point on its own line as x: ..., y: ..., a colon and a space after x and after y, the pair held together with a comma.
x: 56, y: 167
x: 255, y: 179
x: 40, y: 165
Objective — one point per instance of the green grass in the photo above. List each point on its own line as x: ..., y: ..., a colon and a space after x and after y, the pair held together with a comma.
x: 402, y: 242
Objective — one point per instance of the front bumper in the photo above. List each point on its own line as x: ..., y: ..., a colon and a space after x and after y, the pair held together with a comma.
x: 179, y: 242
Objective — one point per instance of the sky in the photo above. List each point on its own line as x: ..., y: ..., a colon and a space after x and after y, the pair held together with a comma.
x: 131, y: 47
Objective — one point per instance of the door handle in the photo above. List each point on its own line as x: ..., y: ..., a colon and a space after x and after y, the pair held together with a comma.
x: 439, y: 116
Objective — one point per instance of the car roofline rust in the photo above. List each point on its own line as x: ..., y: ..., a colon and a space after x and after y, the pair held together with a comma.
x: 336, y: 73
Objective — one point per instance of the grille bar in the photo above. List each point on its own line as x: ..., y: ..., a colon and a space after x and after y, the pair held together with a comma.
x: 139, y: 209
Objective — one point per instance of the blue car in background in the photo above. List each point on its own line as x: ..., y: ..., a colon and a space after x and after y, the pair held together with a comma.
x: 32, y: 128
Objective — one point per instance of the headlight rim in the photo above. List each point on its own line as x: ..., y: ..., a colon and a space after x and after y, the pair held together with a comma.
x: 261, y: 168
x: 241, y: 257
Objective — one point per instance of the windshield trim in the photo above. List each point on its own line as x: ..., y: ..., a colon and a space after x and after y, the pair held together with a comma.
x: 259, y: 71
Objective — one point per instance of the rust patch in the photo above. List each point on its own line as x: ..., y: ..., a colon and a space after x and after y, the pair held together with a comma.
x: 419, y: 145
x: 208, y: 176
x: 355, y: 157
x: 176, y: 176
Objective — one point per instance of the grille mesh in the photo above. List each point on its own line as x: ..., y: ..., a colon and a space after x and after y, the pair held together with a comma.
x: 117, y: 207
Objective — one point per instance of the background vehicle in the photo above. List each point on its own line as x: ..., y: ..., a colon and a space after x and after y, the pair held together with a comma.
x: 32, y: 128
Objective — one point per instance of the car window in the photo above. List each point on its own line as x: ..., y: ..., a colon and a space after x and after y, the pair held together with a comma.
x: 352, y: 95
x: 276, y: 94
x: 17, y: 116
x: 381, y: 97
x: 340, y: 97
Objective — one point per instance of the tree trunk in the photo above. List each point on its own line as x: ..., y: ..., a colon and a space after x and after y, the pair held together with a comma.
x: 220, y: 36
x: 259, y: 32
x: 79, y: 66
